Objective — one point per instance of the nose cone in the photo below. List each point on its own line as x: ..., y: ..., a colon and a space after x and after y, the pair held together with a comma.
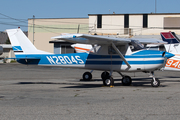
x: 169, y: 55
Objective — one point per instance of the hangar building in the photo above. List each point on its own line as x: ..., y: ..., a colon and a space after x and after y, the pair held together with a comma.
x: 123, y: 25
x: 134, y: 24
x: 44, y: 29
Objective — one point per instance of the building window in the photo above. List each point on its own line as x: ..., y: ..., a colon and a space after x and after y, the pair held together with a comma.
x: 99, y: 21
x: 126, y: 21
x: 145, y: 21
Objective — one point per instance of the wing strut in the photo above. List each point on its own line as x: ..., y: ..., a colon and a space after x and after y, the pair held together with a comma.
x: 120, y: 54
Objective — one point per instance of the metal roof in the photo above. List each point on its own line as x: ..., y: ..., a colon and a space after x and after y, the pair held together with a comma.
x: 138, y: 14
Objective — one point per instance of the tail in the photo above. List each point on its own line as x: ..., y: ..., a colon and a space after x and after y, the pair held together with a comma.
x: 173, y: 41
x: 170, y: 37
x: 21, y: 44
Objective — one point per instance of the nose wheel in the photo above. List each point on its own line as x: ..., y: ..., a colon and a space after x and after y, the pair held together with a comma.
x: 155, y: 83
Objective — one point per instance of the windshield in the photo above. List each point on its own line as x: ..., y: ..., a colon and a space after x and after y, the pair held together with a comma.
x: 136, y: 45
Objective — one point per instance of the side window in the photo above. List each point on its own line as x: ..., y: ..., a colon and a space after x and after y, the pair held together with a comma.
x: 121, y: 48
x: 162, y: 48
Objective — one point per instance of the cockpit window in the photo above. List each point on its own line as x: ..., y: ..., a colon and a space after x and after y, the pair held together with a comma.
x: 136, y: 45
x: 121, y: 48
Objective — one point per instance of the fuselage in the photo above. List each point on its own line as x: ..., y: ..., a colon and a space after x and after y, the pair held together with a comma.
x: 144, y: 60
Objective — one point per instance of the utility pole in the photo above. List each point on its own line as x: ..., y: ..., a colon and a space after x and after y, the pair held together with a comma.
x: 78, y: 28
x: 33, y: 29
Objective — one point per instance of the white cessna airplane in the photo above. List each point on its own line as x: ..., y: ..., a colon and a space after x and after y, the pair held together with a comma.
x: 113, y: 55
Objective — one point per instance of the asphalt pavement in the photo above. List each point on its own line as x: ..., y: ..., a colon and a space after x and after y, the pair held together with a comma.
x: 44, y: 93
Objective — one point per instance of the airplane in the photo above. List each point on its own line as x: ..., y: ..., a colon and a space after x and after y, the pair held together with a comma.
x: 173, y: 46
x: 114, y: 55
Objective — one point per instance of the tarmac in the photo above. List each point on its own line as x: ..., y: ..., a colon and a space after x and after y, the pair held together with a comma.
x: 44, y: 93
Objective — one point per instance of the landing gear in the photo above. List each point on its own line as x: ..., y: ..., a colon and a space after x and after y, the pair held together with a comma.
x: 104, y: 75
x: 107, y: 79
x: 126, y: 81
x: 155, y: 81
x: 87, y: 76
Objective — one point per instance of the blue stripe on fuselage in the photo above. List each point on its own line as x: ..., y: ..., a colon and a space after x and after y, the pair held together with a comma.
x: 89, y: 59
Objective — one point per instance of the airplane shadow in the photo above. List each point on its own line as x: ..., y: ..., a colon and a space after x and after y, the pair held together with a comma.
x: 71, y: 85
x: 136, y: 82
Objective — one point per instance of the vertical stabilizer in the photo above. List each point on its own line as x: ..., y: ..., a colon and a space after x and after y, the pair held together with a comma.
x: 173, y: 41
x: 20, y: 43
x: 170, y: 37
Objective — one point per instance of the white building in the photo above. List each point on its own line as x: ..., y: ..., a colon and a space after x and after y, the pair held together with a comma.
x: 41, y: 30
x: 134, y: 24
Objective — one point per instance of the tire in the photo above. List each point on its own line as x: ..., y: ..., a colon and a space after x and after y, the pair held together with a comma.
x: 87, y: 76
x: 126, y: 81
x: 108, y: 81
x: 155, y: 83
x: 104, y: 75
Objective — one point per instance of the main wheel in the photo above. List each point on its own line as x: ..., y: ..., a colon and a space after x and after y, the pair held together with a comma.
x: 104, y: 75
x: 155, y: 83
x: 87, y: 76
x: 126, y: 80
x: 108, y: 81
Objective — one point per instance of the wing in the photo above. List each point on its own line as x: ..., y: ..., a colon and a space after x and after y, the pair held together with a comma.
x: 91, y: 39
x: 96, y: 39
x: 149, y: 41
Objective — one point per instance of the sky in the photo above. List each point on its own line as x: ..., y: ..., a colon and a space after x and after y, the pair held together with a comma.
x: 15, y: 13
